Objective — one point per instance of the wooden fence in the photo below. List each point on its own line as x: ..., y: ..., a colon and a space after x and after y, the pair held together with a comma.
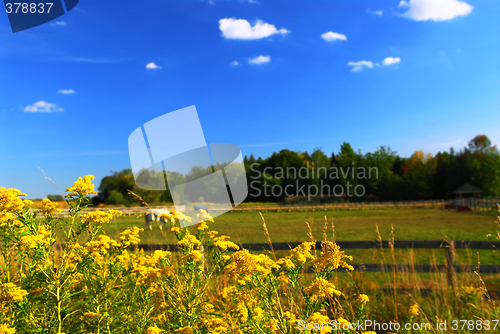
x: 473, y: 203
x: 448, y: 246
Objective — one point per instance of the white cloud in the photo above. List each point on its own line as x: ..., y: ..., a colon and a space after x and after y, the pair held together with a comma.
x: 242, y: 29
x: 359, y: 65
x: 260, y: 60
x: 435, y: 10
x: 59, y: 23
x: 153, y: 66
x: 234, y: 63
x: 374, y: 12
x: 391, y: 60
x: 66, y: 91
x: 333, y: 36
x: 42, y: 106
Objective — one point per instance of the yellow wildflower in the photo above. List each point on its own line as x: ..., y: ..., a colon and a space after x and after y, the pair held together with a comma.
x: 155, y: 330
x: 201, y: 226
x: 10, y: 201
x: 9, y: 292
x: 321, y: 288
x: 194, y: 255
x: 212, y: 234
x: 184, y: 330
x: 6, y: 329
x: 175, y: 229
x: 207, y: 307
x: 258, y: 313
x: 271, y: 325
x: 363, y: 299
x: 290, y: 316
x: 176, y: 216
x: 5, y: 217
x: 369, y: 332
x: 217, y: 326
x: 344, y: 324
x: 88, y: 316
x: 222, y: 243
x: 82, y: 187
x: 204, y: 216
x: 100, y: 245
x: 189, y: 240
x: 49, y: 208
x: 30, y: 241
x: 322, y: 320
x: 331, y: 258
x: 244, y: 265
x: 99, y: 217
x: 131, y: 236
x: 414, y: 310
x: 242, y: 311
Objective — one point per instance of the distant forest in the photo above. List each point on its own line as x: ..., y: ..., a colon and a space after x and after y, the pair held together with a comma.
x: 393, y: 178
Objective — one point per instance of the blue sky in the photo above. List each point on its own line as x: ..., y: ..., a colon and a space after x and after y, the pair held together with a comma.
x: 414, y: 75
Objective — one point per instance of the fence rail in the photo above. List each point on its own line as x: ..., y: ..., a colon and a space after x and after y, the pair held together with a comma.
x: 449, y: 246
x: 474, y: 203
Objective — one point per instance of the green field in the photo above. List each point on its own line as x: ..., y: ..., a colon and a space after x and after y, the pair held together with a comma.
x: 408, y: 224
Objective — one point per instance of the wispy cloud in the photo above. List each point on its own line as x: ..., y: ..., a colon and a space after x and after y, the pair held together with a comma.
x: 42, y: 106
x: 391, y: 61
x: 59, y: 23
x: 242, y: 29
x: 234, y: 63
x: 153, y: 66
x: 435, y: 10
x: 374, y: 12
x: 260, y: 60
x: 359, y: 65
x: 66, y: 91
x: 333, y: 36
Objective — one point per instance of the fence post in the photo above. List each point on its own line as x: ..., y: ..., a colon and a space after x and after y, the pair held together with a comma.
x: 450, y: 261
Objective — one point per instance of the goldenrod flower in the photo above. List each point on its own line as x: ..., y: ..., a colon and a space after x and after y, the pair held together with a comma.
x: 271, y: 325
x: 175, y: 229
x: 155, y: 330
x: 363, y: 299
x: 189, y: 240
x: 131, y: 236
x: 88, y: 316
x: 194, y: 255
x: 318, y: 318
x: 258, y: 313
x: 204, y: 216
x: 6, y: 329
x: 5, y: 217
x: 321, y: 288
x: 99, y: 217
x: 201, y: 226
x: 49, y: 208
x: 212, y: 234
x: 222, y: 243
x: 10, y: 201
x: 344, y: 324
x: 184, y: 330
x: 332, y: 258
x: 82, y: 187
x: 207, y: 307
x: 217, y: 326
x: 9, y: 292
x: 414, y: 310
x: 244, y: 265
x: 43, y: 238
x: 242, y: 312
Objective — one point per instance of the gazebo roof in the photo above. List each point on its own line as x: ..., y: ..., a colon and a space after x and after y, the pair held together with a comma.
x: 467, y: 189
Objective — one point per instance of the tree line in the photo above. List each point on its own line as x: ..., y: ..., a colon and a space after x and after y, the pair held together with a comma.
x: 381, y: 175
